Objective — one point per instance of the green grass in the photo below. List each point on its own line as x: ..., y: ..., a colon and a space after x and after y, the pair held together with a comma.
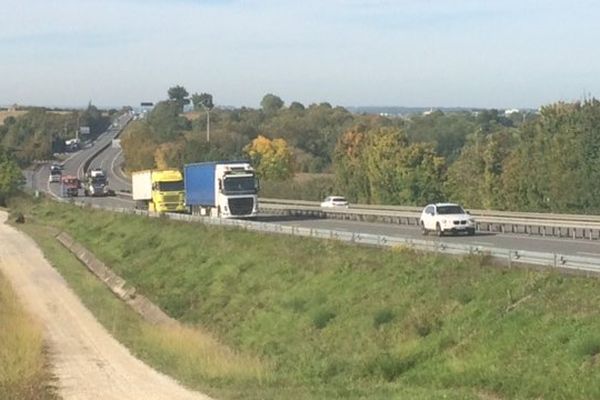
x: 325, y: 320
x: 24, y: 372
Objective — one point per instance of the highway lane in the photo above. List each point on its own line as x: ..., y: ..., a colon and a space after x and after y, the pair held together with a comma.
x: 111, y: 158
x: 583, y: 248
x: 74, y: 165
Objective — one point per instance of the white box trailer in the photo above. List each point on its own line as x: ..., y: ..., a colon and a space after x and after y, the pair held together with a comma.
x: 141, y: 185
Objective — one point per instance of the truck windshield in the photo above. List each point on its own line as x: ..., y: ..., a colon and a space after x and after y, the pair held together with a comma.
x: 239, y: 185
x: 174, y: 186
x: 99, y: 180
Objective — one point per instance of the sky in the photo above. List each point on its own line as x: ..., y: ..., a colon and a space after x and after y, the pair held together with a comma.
x: 412, y: 53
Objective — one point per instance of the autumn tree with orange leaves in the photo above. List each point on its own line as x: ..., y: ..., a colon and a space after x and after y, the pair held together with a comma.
x: 272, y: 159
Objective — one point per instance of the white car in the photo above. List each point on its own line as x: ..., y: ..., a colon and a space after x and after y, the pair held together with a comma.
x: 442, y: 218
x: 335, y: 201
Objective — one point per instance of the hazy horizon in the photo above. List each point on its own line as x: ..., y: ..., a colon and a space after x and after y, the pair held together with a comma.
x: 352, y: 53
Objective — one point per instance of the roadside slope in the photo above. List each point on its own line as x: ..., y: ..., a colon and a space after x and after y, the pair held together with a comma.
x: 88, y: 362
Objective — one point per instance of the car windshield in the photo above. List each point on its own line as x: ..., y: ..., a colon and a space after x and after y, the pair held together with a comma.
x: 175, y: 186
x: 450, y: 210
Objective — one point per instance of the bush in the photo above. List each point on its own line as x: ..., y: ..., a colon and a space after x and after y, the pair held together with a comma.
x: 590, y: 347
x: 389, y: 366
x: 382, y: 317
x: 322, y: 318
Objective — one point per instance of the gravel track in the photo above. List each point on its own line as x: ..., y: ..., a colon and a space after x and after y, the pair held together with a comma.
x: 86, y: 360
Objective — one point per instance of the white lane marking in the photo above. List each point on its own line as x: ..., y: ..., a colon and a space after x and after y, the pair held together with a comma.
x: 112, y: 168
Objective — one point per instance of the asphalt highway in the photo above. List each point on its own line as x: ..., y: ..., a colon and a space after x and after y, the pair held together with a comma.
x: 111, y: 158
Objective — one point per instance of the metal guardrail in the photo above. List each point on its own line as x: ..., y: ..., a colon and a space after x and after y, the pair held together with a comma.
x: 510, y: 256
x: 475, y: 213
x: 561, y: 229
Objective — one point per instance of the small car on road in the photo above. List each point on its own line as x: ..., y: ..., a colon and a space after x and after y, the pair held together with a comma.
x: 444, y: 218
x: 335, y: 201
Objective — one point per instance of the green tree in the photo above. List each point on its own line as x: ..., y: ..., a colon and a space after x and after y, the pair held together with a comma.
x: 350, y: 173
x: 139, y: 146
x: 166, y: 122
x: 271, y: 103
x: 296, y: 106
x: 179, y: 95
x: 482, y: 164
x: 400, y: 172
x: 11, y: 178
x: 202, y: 101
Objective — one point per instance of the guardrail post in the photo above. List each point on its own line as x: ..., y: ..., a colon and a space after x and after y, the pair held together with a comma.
x: 555, y: 260
x: 509, y: 259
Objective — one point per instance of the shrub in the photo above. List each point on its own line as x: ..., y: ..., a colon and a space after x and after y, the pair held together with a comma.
x: 589, y: 347
x: 322, y: 318
x: 389, y: 366
x: 382, y: 317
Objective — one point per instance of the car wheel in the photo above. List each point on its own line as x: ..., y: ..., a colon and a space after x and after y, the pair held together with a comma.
x: 424, y: 231
x: 438, y: 230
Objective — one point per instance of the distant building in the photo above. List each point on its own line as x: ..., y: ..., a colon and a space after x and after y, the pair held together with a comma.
x: 512, y: 111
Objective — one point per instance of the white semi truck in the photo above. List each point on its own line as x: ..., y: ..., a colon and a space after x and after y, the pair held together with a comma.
x: 227, y: 189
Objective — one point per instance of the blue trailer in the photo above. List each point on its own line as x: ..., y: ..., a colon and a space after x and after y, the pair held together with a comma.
x: 227, y: 189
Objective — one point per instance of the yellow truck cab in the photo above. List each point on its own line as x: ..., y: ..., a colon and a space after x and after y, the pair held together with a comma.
x: 158, y: 190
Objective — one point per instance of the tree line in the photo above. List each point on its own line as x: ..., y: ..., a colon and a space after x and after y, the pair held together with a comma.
x: 542, y: 161
x: 40, y: 132
x: 38, y: 135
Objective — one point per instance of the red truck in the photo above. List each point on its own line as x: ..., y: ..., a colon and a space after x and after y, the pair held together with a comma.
x: 70, y: 186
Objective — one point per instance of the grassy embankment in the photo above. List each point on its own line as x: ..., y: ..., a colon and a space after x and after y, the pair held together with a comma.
x: 24, y: 371
x: 323, y: 320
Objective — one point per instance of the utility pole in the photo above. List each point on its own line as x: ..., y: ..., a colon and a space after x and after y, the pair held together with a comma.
x: 207, y: 122
x: 78, y: 127
x: 207, y: 125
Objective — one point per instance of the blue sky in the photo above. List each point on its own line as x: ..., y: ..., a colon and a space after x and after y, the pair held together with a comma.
x: 482, y: 53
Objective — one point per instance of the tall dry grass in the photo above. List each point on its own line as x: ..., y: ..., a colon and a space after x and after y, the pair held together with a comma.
x: 191, y: 354
x: 23, y: 368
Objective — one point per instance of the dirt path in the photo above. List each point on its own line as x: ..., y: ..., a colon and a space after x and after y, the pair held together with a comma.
x: 88, y: 362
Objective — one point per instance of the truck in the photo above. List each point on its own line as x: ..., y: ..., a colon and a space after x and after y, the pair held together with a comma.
x: 96, y: 184
x: 70, y: 186
x: 55, y: 173
x: 227, y: 189
x: 72, y: 144
x: 158, y: 190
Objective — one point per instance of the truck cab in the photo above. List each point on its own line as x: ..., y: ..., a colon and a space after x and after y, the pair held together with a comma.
x: 237, y: 190
x: 96, y: 183
x: 70, y: 186
x: 158, y: 190
x: 167, y: 191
